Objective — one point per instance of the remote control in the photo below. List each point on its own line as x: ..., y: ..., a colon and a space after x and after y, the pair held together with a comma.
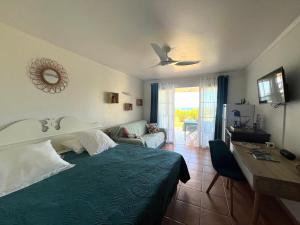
x: 287, y: 154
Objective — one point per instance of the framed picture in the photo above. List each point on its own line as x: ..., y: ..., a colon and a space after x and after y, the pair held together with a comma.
x: 139, y: 102
x: 128, y: 106
x: 112, y: 97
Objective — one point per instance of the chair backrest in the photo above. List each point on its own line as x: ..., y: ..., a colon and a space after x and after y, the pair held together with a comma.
x: 221, y: 156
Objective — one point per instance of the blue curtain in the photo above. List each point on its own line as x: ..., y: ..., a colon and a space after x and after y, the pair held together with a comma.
x: 154, y: 103
x: 221, y: 100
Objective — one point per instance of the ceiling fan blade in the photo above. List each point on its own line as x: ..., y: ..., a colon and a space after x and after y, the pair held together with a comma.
x: 156, y: 65
x: 169, y: 62
x: 186, y: 63
x: 159, y: 51
x: 166, y: 48
x: 163, y: 63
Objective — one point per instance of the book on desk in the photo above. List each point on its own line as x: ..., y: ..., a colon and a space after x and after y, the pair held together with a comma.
x: 261, y: 154
x: 258, y: 152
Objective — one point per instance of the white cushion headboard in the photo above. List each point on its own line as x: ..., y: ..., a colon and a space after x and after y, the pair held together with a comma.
x: 32, y: 131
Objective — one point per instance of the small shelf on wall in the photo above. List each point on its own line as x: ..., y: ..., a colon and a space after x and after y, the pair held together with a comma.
x: 128, y: 107
x: 139, y: 102
x: 111, y: 97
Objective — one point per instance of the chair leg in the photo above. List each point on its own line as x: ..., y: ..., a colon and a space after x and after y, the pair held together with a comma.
x: 231, y: 197
x: 212, y: 182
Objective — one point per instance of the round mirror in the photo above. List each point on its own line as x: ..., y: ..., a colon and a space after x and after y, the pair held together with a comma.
x: 50, y: 76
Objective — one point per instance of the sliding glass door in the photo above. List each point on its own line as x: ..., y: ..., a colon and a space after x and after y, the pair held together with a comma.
x: 188, y: 113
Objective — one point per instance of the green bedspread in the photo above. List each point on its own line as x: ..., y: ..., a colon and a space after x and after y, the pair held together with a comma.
x: 122, y: 186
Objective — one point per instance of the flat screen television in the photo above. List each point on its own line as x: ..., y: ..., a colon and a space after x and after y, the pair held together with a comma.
x: 272, y: 88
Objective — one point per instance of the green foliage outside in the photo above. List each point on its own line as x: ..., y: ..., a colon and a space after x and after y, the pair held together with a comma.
x: 185, y: 114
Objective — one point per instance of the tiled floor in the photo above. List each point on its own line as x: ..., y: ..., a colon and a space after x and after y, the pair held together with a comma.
x: 192, y: 206
x: 188, y: 137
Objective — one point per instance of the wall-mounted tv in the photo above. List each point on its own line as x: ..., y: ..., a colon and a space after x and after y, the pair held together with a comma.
x: 272, y: 88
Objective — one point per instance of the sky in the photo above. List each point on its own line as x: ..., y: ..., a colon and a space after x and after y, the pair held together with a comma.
x: 186, y: 99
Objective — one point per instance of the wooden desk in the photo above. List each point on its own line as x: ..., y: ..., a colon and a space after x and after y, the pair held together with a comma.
x: 280, y: 179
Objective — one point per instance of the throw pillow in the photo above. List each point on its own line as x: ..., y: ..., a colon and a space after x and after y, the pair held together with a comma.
x: 125, y: 132
x: 152, y: 128
x: 95, y: 141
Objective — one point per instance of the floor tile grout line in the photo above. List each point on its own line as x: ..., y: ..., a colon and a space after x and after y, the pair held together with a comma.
x: 201, y: 205
x: 202, y: 162
x: 240, y: 193
x: 219, y: 214
x: 174, y: 220
x: 189, y: 203
x: 227, y: 203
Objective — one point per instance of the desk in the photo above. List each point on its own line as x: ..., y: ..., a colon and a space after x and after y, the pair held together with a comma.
x: 280, y: 179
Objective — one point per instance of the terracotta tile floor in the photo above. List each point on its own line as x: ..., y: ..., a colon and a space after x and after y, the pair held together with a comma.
x: 192, y: 206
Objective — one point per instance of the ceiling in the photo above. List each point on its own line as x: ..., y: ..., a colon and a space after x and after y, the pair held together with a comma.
x: 225, y: 35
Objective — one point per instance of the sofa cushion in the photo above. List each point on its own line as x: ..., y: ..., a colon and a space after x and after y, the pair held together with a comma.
x: 154, y: 140
x: 138, y: 128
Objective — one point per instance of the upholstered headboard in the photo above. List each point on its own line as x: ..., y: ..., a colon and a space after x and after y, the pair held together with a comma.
x: 32, y: 131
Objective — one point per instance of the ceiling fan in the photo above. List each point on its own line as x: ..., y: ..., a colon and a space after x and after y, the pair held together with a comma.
x: 162, y: 53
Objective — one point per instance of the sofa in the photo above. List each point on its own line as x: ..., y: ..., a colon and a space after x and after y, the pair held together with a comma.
x: 143, y: 138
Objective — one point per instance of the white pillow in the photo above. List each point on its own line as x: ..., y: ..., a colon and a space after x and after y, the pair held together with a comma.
x: 74, y: 144
x: 23, y: 166
x: 95, y: 141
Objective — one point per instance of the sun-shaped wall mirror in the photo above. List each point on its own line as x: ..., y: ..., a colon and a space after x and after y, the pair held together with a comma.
x: 48, y: 75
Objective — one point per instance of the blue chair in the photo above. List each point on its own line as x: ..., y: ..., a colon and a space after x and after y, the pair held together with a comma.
x: 224, y: 163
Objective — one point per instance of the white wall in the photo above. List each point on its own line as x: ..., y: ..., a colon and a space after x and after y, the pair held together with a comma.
x: 236, y: 87
x: 83, y: 97
x: 285, y: 52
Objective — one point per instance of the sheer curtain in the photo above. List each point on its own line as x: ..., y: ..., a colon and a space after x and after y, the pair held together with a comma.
x: 207, y: 110
x: 166, y: 107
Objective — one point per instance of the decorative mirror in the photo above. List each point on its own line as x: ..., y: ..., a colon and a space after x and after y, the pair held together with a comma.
x: 48, y: 75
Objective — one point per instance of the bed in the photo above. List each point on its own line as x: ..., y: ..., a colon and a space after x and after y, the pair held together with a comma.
x: 123, y: 185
